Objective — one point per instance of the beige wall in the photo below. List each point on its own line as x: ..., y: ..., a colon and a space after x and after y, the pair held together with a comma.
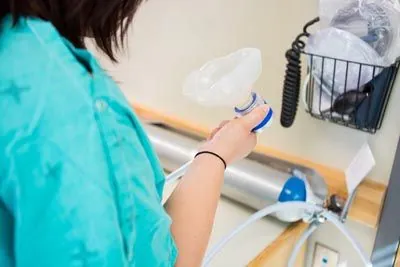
x: 172, y: 37
x: 329, y: 236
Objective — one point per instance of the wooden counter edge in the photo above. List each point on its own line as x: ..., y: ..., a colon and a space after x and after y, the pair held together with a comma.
x: 278, y: 252
x: 367, y: 204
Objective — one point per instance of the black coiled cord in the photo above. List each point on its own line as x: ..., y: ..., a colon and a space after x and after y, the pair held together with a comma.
x: 292, y: 82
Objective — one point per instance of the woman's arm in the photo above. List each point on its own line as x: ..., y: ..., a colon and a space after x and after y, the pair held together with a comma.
x: 193, y: 204
x: 192, y: 208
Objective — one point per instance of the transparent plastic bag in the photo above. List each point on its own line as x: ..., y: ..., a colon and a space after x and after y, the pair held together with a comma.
x: 377, y: 22
x: 225, y: 81
x: 228, y: 81
x: 337, y: 76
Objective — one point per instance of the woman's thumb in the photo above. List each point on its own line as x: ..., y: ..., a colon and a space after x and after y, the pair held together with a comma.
x: 255, y: 117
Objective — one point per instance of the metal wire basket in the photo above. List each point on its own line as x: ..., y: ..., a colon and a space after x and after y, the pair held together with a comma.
x: 348, y: 93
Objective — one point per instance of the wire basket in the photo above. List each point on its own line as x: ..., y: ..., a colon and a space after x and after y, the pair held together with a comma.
x: 348, y: 93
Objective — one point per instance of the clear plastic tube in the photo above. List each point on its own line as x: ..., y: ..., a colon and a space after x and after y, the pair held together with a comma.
x: 286, y: 207
x: 176, y: 175
x: 300, y: 243
x: 336, y: 222
x: 256, y: 216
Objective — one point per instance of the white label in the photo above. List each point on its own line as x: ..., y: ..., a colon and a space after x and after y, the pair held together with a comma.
x: 359, y: 168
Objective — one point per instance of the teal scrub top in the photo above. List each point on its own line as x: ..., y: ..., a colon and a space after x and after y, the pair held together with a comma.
x: 80, y: 184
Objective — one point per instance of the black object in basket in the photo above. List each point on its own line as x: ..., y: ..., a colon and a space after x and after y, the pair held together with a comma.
x: 349, y: 93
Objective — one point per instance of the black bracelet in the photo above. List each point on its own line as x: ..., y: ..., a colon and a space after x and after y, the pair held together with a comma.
x: 212, y: 153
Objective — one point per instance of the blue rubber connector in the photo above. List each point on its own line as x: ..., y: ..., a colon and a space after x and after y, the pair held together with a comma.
x: 293, y: 190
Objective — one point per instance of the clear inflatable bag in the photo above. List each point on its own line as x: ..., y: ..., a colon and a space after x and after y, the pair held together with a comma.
x: 225, y: 81
x: 337, y: 76
x: 228, y: 81
x: 376, y: 22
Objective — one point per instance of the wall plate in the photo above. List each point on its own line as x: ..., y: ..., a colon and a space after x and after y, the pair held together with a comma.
x: 325, y: 257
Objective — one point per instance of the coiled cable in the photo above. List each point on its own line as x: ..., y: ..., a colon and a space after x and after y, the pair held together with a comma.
x: 292, y: 82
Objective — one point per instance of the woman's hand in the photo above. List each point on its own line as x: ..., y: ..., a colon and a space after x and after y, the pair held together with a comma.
x: 233, y: 140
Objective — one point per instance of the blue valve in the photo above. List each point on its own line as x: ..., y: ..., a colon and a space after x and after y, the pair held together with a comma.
x: 293, y: 190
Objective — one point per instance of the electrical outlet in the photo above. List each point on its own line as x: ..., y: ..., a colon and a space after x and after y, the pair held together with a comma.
x: 325, y: 257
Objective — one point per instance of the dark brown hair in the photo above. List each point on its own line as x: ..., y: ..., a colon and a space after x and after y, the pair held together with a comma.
x: 107, y: 21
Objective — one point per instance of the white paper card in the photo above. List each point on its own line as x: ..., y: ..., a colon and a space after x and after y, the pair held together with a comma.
x: 359, y: 168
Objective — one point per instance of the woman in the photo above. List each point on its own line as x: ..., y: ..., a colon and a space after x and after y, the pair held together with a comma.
x: 79, y: 182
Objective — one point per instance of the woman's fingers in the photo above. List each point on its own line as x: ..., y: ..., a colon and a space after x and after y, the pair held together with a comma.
x: 252, y: 119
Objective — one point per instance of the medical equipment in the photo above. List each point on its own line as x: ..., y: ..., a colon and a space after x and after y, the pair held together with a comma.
x: 292, y: 81
x: 332, y: 73
x: 299, y: 200
x: 319, y: 214
x: 258, y: 182
x: 331, y: 43
x: 376, y: 22
x: 228, y: 81
x: 312, y: 213
x: 359, y: 39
